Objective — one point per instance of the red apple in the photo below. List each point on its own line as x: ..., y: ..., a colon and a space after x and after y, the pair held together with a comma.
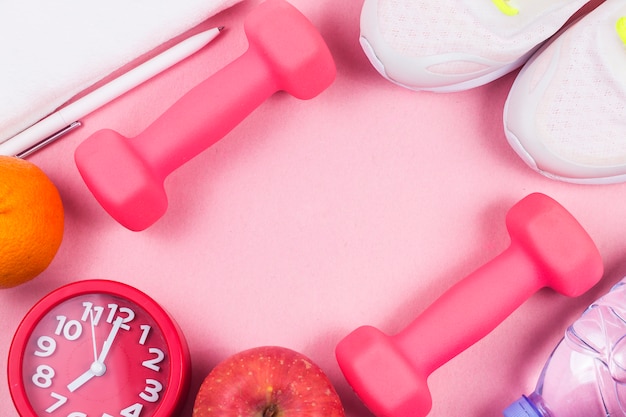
x: 268, y: 381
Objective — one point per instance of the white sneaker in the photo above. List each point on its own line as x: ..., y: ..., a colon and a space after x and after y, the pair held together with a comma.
x: 453, y: 45
x: 566, y: 112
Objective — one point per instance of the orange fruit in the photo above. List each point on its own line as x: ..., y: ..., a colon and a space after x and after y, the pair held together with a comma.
x: 31, y: 221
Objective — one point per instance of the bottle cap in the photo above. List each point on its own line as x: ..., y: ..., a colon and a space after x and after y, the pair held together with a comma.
x: 522, y: 408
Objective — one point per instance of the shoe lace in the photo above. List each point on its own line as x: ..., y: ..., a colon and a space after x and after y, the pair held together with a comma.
x: 620, y: 27
x: 505, y: 7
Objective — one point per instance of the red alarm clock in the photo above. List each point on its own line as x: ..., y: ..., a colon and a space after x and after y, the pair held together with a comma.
x: 98, y: 348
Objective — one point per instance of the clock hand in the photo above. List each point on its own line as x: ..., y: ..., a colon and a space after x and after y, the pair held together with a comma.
x: 97, y: 368
x: 109, y: 342
x: 93, y: 337
x: 80, y: 381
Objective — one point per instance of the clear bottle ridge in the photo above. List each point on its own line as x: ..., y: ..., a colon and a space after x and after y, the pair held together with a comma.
x: 585, y: 375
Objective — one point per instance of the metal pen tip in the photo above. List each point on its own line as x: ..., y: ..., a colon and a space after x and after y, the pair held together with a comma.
x: 49, y: 139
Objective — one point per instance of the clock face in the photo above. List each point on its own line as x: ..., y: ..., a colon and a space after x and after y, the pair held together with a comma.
x: 98, y: 354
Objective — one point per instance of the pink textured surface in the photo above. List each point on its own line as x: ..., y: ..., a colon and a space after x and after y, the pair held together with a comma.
x: 312, y: 218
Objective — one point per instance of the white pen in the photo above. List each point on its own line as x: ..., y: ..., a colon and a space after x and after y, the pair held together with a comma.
x: 68, y: 118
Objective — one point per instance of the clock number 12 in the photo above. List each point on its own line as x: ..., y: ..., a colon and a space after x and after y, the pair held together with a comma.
x: 126, y: 313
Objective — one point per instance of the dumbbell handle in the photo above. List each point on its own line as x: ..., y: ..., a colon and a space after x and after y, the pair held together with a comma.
x: 469, y: 310
x: 205, y: 114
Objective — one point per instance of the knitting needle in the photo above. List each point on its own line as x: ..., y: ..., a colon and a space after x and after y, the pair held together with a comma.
x: 66, y: 119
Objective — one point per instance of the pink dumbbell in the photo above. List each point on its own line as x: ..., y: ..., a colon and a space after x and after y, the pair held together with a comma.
x: 548, y: 248
x: 286, y: 53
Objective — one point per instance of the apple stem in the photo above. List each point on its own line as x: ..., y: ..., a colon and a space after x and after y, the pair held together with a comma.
x: 271, y: 411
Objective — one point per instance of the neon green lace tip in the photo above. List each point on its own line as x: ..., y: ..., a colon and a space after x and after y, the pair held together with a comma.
x: 620, y: 27
x: 505, y: 7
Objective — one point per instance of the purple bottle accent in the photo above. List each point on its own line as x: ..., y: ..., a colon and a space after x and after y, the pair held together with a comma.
x: 585, y: 375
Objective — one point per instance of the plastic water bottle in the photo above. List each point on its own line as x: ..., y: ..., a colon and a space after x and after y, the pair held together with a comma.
x: 585, y: 375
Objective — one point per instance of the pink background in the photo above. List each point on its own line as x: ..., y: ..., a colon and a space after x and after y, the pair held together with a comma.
x: 312, y: 218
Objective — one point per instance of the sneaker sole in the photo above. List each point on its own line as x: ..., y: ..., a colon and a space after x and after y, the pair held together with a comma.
x: 450, y: 88
x: 519, y: 149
